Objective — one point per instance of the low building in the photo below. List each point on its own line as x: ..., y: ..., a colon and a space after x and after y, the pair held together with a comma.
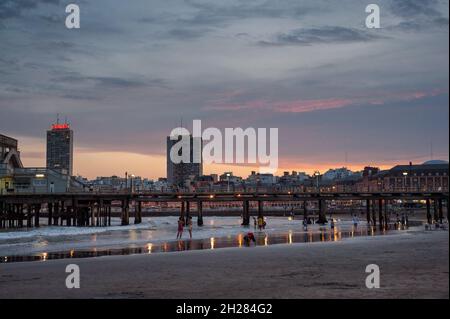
x: 43, y: 180
x: 9, y: 161
x: 14, y: 178
x: 337, y: 174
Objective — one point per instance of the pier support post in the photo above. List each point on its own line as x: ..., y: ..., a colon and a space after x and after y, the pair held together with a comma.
x: 182, y: 209
x: 76, y: 212
x: 9, y: 215
x: 50, y: 213
x: 91, y: 218
x: 62, y: 212
x: 2, y: 218
x: 188, y: 212
x: 20, y: 215
x: 441, y: 213
x: 435, y: 210
x: 374, y: 214
x: 37, y: 211
x: 369, y: 220
x: 429, y: 218
x: 380, y: 212
x: 260, y: 209
x: 109, y: 214
x: 69, y: 213
x: 246, y: 213
x: 125, y: 212
x: 56, y: 214
x: 322, y: 212
x: 138, y: 213
x: 199, y: 213
x: 29, y: 216
x: 386, y: 219
x: 305, y: 209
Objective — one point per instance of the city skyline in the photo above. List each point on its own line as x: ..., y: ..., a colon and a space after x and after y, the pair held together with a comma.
x: 161, y: 162
x: 238, y: 64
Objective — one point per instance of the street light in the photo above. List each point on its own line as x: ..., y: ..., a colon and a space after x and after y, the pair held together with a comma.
x: 228, y: 182
x: 405, y: 174
x: 131, y: 182
x: 317, y: 174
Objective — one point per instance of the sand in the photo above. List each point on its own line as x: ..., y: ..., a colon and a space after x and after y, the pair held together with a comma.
x: 413, y: 265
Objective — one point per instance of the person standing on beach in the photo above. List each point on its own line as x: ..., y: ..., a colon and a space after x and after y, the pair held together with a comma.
x: 355, y: 221
x: 190, y: 226
x: 260, y: 223
x: 180, y: 227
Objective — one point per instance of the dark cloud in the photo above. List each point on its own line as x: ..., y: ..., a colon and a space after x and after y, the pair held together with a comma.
x: 206, y: 16
x: 109, y: 81
x: 218, y: 13
x: 414, y: 8
x: 419, y: 15
x: 128, y: 75
x: 322, y: 35
x: 182, y: 34
x: 14, y: 8
x: 415, y: 26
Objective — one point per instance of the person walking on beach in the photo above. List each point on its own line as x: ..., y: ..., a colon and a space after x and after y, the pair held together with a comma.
x: 180, y: 227
x: 190, y: 226
x: 305, y: 224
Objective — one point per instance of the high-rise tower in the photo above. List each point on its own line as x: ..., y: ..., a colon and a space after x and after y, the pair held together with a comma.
x: 178, y: 173
x: 60, y: 148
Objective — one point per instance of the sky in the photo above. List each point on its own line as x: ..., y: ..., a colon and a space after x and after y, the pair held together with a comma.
x: 339, y: 93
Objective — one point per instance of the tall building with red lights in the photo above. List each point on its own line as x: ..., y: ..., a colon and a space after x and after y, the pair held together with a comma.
x: 60, y: 148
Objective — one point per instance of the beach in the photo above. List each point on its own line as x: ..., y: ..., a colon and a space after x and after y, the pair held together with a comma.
x: 412, y: 264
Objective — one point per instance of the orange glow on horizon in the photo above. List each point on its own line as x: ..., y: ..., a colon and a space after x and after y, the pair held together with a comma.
x: 90, y: 163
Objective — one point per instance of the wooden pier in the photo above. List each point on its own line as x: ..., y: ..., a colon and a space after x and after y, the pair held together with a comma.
x: 94, y: 209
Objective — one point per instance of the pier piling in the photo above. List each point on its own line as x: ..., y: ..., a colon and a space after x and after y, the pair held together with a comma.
x: 199, y: 213
x: 246, y: 213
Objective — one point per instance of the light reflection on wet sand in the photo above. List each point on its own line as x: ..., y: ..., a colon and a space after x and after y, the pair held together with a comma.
x: 262, y: 239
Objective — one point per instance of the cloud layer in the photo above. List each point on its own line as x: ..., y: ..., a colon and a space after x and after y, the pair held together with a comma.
x: 310, y: 68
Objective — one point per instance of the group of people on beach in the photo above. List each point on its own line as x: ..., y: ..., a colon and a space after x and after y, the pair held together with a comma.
x: 259, y: 223
x: 181, y: 224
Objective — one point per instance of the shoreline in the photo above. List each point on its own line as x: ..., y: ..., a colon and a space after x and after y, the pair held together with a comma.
x: 412, y: 265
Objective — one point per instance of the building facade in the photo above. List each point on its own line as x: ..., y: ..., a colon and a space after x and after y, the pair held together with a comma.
x: 60, y: 148
x: 181, y: 174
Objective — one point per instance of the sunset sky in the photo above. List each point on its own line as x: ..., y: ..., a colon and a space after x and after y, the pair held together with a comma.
x: 339, y: 93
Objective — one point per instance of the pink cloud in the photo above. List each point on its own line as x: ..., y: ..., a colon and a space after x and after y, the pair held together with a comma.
x: 311, y: 105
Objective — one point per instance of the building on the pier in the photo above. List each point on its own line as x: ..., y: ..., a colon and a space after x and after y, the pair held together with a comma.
x: 60, y: 148
x: 421, y: 177
x: 43, y: 180
x: 184, y: 173
x: 9, y: 161
x: 15, y: 178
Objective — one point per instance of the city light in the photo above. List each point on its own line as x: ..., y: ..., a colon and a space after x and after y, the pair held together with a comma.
x: 64, y: 126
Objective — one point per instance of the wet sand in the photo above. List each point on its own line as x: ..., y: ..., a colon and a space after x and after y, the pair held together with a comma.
x: 413, y: 265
